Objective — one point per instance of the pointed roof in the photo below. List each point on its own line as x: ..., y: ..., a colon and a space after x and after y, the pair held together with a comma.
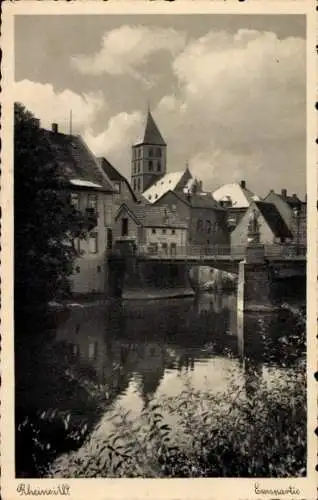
x: 274, y: 219
x: 152, y: 215
x: 152, y: 134
x: 76, y: 162
x: 168, y: 182
x: 114, y: 175
x: 238, y: 194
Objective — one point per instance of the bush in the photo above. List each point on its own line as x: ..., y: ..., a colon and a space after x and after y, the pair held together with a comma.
x: 245, y: 432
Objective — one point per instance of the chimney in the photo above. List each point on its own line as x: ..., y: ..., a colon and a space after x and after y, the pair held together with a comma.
x: 284, y: 194
x: 294, y: 195
x: 37, y: 122
x: 243, y: 184
x: 55, y: 128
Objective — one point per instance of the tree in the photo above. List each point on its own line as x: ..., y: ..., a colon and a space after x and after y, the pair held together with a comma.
x: 45, y: 222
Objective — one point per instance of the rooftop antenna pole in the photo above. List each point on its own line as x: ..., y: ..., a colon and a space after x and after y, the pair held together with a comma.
x: 70, y: 122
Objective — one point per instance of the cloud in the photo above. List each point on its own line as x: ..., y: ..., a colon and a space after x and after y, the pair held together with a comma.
x: 243, y: 96
x: 127, y: 48
x: 51, y: 105
x: 121, y: 132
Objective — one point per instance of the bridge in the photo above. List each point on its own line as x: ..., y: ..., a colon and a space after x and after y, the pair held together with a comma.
x: 284, y: 259
x: 257, y: 266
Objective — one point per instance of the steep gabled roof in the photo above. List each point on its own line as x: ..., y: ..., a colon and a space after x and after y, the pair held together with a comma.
x: 152, y: 215
x: 168, y: 182
x: 274, y: 219
x: 76, y: 162
x: 113, y: 174
x: 152, y: 134
x: 198, y: 200
x: 241, y: 197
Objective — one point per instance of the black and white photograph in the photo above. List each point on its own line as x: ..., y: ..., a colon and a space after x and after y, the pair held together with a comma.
x: 160, y: 204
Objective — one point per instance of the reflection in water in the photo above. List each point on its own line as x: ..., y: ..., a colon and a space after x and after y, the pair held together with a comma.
x: 144, y: 342
x: 135, y: 351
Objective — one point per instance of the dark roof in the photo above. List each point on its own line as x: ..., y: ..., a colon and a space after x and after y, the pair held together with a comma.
x: 153, y: 215
x: 113, y: 174
x: 274, y: 219
x: 76, y: 162
x: 152, y: 134
x: 198, y: 200
x: 292, y: 201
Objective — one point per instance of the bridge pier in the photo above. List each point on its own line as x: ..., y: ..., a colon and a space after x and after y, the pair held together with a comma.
x: 255, y: 283
x: 128, y: 276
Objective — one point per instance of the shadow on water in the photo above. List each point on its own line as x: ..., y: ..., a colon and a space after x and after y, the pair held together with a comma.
x: 72, y: 367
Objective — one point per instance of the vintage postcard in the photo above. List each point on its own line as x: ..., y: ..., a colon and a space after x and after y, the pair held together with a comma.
x: 159, y: 250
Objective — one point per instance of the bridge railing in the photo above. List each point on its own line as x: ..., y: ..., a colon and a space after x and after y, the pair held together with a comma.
x: 199, y: 252
x: 285, y: 251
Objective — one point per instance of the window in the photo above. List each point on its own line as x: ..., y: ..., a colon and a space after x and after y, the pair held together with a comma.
x: 208, y: 226
x: 75, y: 201
x: 92, y: 350
x: 158, y: 152
x: 134, y: 153
x: 153, y: 248
x: 92, y: 202
x: 138, y: 166
x: 158, y: 166
x: 150, y: 165
x: 164, y: 247
x: 107, y: 213
x: 150, y: 152
x: 173, y: 231
x: 199, y: 225
x: 135, y: 167
x: 92, y: 243
x: 164, y: 231
x: 77, y: 244
x: 109, y: 239
x: 174, y: 208
x: 77, y: 269
x: 135, y: 184
x: 173, y: 249
x: 124, y: 227
x: 139, y: 152
x: 138, y: 183
x: 153, y: 231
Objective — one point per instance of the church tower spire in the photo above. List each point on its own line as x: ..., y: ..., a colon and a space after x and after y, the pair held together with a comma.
x: 149, y: 157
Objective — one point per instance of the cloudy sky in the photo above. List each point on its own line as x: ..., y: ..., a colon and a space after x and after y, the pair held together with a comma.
x: 227, y: 91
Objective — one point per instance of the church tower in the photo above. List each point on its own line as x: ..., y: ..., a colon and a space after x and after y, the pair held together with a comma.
x: 149, y: 158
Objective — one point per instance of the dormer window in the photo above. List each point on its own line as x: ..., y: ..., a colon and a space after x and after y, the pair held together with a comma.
x: 150, y: 151
x: 117, y: 187
x: 158, y: 152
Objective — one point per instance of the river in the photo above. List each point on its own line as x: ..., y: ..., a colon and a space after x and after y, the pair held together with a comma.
x: 96, y: 360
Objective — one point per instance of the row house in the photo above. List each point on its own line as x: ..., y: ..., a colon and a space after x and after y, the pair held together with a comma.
x: 272, y: 228
x: 235, y: 198
x: 205, y: 219
x: 294, y: 212
x: 151, y: 229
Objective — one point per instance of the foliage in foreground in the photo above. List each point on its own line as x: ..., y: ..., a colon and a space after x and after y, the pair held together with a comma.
x: 45, y: 220
x: 246, y: 432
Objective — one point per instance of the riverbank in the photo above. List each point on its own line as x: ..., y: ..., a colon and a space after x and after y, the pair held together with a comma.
x: 83, y: 301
